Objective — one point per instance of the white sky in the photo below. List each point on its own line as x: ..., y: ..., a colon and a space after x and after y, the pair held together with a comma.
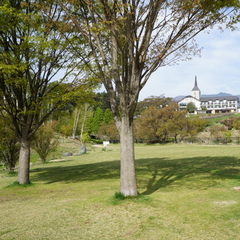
x: 217, y: 70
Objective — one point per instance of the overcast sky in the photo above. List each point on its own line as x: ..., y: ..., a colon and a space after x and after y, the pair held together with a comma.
x: 217, y: 70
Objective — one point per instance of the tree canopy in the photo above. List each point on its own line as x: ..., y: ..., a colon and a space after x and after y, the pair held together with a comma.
x: 38, y: 71
x: 157, y: 101
x: 157, y: 124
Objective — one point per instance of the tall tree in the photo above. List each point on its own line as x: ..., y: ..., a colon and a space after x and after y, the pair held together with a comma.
x: 96, y: 120
x: 152, y: 125
x: 102, y: 100
x: 129, y: 40
x: 157, y: 101
x: 81, y: 114
x: 36, y: 69
x: 157, y: 124
x: 107, y: 116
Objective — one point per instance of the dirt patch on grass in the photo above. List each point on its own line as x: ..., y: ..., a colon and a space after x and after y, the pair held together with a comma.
x: 225, y: 203
x: 58, y: 160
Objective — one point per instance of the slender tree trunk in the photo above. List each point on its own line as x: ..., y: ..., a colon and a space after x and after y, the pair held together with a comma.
x: 83, y: 123
x: 24, y: 161
x: 128, y: 182
x: 75, y: 124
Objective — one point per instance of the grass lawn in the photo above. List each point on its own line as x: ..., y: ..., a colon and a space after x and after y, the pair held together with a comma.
x: 187, y: 192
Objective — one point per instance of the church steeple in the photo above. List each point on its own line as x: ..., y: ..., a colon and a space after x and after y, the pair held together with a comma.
x: 196, y: 93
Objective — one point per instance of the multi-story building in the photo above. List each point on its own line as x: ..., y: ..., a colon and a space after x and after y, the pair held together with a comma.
x: 209, y: 104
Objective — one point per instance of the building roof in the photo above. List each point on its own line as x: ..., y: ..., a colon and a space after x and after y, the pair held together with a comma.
x: 229, y: 98
x: 195, y: 88
x: 188, y: 96
x: 206, y: 99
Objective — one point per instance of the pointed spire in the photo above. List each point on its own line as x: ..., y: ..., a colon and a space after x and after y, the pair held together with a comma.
x: 195, y: 88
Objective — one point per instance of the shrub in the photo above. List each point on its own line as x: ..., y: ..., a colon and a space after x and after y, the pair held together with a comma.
x: 9, y: 145
x: 44, y: 140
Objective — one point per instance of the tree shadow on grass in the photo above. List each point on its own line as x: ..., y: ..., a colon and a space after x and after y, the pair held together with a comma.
x: 205, y: 170
x: 76, y: 173
x: 152, y: 174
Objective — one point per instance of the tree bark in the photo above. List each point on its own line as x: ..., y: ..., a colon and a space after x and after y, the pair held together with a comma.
x: 24, y: 161
x: 75, y: 123
x: 128, y: 182
x: 11, y: 167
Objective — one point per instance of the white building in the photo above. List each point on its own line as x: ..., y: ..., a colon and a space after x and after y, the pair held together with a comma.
x: 209, y: 104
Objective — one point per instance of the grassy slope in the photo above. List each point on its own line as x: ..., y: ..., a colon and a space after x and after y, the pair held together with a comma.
x: 213, y: 121
x: 187, y: 193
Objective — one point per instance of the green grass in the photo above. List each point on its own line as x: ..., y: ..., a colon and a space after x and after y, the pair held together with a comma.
x: 213, y: 121
x: 187, y: 192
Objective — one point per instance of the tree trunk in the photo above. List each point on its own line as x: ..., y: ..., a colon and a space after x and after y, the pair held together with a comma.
x: 75, y: 123
x: 84, y: 119
x: 11, y: 167
x: 128, y: 182
x: 24, y: 161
